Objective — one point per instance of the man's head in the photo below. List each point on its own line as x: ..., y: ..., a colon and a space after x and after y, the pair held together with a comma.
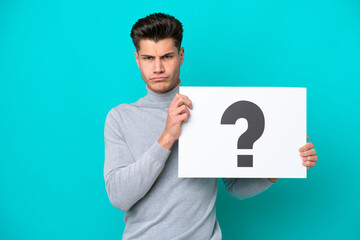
x: 157, y: 39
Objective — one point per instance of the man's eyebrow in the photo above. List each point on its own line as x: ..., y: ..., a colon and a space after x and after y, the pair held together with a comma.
x: 168, y: 53
x: 148, y: 55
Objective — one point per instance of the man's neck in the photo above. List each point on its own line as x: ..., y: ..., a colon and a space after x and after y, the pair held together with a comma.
x: 169, y: 90
x: 162, y: 97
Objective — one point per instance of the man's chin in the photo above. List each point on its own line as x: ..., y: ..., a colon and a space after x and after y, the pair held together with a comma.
x: 160, y: 89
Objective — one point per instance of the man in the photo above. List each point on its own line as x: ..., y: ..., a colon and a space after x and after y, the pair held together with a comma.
x: 141, y: 151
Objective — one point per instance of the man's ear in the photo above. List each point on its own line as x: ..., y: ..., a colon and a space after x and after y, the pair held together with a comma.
x: 137, y: 58
x: 181, y: 55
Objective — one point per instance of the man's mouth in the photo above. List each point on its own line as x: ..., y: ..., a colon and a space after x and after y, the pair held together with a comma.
x: 158, y: 79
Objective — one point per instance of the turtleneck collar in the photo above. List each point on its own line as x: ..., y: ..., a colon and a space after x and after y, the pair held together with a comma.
x: 161, y: 97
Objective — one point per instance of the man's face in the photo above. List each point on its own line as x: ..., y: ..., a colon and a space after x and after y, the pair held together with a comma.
x: 159, y: 64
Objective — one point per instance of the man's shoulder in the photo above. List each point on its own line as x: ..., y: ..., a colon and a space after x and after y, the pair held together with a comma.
x: 125, y: 108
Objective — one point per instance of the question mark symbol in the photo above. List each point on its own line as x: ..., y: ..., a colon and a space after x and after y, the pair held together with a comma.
x: 256, y: 124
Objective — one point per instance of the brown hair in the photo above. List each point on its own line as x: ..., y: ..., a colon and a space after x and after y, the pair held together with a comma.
x: 157, y: 26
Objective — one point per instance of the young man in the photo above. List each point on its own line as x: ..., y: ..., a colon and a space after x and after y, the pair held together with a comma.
x: 141, y: 151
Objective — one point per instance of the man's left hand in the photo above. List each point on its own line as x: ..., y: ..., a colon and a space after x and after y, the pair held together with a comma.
x: 307, y: 154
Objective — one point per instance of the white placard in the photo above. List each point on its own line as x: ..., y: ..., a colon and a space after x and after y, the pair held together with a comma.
x: 208, y: 148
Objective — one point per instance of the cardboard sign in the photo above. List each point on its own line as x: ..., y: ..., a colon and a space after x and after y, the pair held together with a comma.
x: 243, y: 132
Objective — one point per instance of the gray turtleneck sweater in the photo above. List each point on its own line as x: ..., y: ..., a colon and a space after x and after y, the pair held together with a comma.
x: 141, y: 177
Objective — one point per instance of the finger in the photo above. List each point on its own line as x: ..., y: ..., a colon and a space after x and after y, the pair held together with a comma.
x: 183, y: 109
x: 306, y: 147
x: 180, y: 109
x: 183, y: 117
x: 175, y: 101
x: 307, y: 137
x: 180, y: 95
x: 310, y: 158
x: 182, y: 99
x: 185, y: 101
x: 308, y: 164
x: 308, y: 153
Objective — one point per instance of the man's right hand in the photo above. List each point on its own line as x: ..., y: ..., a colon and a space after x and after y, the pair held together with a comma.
x: 178, y: 113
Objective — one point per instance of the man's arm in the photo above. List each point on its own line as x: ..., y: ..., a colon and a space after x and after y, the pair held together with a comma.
x: 246, y: 187
x: 128, y: 180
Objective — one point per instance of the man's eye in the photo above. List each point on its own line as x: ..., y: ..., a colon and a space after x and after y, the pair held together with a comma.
x: 147, y: 58
x: 167, y: 56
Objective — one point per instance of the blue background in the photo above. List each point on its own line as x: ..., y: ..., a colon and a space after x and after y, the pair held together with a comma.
x: 65, y: 64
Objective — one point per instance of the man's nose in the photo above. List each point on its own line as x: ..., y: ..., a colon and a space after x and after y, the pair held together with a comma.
x: 159, y: 67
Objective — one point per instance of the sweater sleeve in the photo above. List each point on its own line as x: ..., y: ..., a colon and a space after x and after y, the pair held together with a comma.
x: 127, y: 180
x: 246, y: 187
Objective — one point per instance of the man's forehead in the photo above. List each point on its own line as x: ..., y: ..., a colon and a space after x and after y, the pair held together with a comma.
x: 149, y: 46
